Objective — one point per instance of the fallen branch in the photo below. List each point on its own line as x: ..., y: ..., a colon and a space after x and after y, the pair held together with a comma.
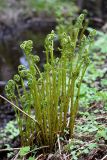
x: 104, y: 158
x: 16, y: 156
x: 12, y: 149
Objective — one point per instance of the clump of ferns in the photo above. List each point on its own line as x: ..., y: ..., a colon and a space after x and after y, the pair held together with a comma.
x: 50, y: 95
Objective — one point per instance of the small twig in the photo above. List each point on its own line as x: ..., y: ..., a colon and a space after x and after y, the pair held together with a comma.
x: 91, y: 107
x: 19, y: 109
x: 10, y: 149
x: 100, y: 117
x: 35, y: 149
x: 16, y: 156
x: 104, y: 158
x: 59, y: 145
x: 39, y: 156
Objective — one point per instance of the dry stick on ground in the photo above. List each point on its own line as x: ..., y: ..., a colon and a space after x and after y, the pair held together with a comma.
x: 16, y: 156
x: 35, y: 149
x: 59, y: 145
x: 10, y: 149
x: 91, y: 107
x: 104, y: 158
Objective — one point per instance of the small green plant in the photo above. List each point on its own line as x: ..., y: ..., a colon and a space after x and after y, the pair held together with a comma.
x: 24, y: 151
x: 46, y: 98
